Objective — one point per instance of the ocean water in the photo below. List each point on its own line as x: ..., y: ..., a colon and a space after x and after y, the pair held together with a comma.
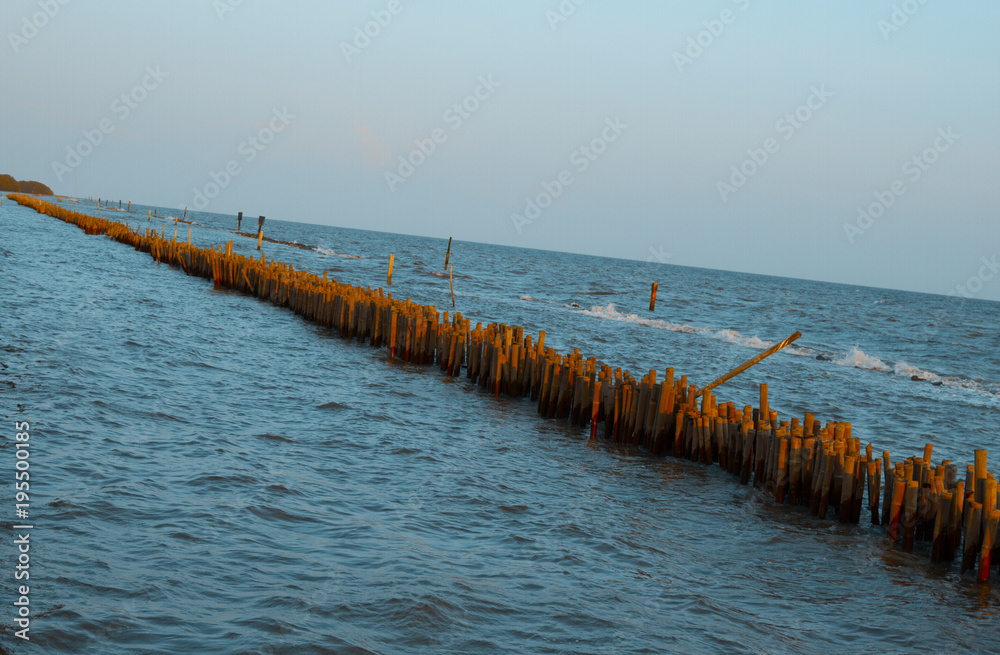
x: 212, y: 474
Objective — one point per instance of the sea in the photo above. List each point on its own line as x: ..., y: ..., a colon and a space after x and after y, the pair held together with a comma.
x: 212, y: 474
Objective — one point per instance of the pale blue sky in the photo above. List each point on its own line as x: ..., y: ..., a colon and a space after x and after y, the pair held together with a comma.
x: 549, y: 91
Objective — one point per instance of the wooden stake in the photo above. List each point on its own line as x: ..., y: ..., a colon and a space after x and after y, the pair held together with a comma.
x: 988, y: 538
x: 765, y: 410
x: 747, y: 364
x: 447, y: 255
x: 392, y: 259
x: 260, y: 238
x: 652, y: 297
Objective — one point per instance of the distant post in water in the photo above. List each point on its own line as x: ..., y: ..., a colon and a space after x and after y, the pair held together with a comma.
x: 652, y: 297
x: 239, y: 221
x: 185, y: 212
x: 447, y: 255
x: 392, y: 259
x: 260, y: 230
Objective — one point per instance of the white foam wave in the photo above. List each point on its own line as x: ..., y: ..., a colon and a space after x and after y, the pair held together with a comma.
x: 906, y: 370
x: 333, y: 253
x: 732, y: 336
x: 609, y: 313
x: 857, y: 358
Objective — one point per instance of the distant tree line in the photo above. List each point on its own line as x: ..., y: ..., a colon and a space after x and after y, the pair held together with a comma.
x: 8, y: 183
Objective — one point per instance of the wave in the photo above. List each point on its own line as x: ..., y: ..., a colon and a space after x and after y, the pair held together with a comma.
x: 857, y: 358
x: 333, y: 253
x: 732, y: 336
x: 608, y: 312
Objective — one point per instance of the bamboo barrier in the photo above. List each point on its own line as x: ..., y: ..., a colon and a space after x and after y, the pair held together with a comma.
x: 819, y: 467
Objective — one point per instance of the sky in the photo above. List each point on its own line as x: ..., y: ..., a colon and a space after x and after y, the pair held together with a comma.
x: 853, y: 142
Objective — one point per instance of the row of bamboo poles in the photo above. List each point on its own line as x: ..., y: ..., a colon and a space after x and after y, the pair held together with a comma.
x: 799, y: 462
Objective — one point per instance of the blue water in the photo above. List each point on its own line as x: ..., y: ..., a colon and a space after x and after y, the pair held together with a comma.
x: 212, y: 474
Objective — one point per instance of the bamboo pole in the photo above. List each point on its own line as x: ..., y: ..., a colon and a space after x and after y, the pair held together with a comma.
x: 447, y: 256
x: 765, y: 409
x: 973, y: 535
x: 652, y: 297
x: 747, y: 364
x: 988, y: 539
x: 392, y: 259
